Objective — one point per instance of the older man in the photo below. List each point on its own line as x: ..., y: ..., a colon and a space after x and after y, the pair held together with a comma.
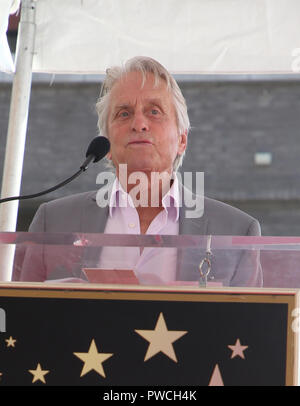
x: 144, y: 115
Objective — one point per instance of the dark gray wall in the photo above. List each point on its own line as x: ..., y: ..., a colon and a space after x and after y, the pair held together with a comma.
x: 231, y: 121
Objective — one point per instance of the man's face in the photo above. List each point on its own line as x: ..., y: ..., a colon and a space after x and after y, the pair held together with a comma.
x: 142, y: 126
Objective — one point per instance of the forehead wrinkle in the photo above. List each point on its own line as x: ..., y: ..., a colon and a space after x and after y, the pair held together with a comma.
x: 144, y: 76
x: 127, y: 80
x: 154, y: 100
x: 157, y: 101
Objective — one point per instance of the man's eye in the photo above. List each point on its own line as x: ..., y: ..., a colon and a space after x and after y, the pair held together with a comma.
x: 154, y: 112
x: 123, y: 114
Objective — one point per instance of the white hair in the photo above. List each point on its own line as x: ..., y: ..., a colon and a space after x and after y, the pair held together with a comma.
x: 143, y: 65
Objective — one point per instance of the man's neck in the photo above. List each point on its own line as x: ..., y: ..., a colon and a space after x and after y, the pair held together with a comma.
x: 146, y: 188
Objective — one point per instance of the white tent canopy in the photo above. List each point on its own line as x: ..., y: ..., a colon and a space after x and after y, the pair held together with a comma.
x: 191, y: 36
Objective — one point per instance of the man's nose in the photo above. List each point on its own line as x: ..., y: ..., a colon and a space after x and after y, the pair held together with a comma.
x: 139, y: 122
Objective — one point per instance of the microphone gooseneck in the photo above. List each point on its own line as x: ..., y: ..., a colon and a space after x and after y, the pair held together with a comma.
x: 97, y: 150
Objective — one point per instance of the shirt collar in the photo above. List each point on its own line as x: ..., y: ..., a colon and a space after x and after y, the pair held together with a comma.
x: 171, y: 201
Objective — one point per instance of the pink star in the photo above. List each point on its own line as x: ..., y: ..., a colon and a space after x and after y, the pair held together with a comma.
x: 238, y: 349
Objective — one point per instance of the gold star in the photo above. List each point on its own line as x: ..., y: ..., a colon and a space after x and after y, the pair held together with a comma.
x: 92, y: 360
x: 10, y: 342
x: 238, y: 349
x: 38, y: 374
x: 160, y: 339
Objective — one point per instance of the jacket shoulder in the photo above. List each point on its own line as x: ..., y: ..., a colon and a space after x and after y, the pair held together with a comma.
x: 227, y: 219
x: 63, y: 214
x: 73, y: 200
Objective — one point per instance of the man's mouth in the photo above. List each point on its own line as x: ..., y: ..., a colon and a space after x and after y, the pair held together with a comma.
x: 140, y: 142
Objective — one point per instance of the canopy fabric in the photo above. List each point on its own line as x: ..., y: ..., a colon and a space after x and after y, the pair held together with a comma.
x: 191, y: 36
x: 7, y: 7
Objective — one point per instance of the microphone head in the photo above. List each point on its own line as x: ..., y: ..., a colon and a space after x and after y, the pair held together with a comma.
x: 98, y: 147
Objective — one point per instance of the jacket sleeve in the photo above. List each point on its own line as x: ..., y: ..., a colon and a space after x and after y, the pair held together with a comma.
x: 28, y: 262
x: 38, y: 223
x: 249, y: 270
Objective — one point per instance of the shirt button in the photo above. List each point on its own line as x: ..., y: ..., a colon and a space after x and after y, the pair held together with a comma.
x: 131, y: 225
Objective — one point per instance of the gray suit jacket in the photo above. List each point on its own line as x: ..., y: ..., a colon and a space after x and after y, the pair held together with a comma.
x: 81, y: 213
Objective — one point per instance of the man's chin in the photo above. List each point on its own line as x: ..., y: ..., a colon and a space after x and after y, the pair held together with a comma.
x: 141, y: 166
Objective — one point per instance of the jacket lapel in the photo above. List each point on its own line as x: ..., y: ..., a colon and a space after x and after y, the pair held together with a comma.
x: 189, y: 226
x: 94, y: 218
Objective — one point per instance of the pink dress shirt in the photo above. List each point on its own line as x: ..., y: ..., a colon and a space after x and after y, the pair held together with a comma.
x: 154, y: 266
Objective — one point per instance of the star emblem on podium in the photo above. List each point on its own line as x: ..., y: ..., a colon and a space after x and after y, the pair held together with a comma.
x: 238, y: 349
x: 10, y: 342
x: 161, y: 339
x: 92, y: 360
x: 38, y: 374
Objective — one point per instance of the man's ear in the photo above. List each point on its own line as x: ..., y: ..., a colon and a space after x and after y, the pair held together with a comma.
x: 182, y: 142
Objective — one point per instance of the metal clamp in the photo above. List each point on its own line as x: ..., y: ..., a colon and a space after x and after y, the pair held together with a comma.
x: 205, y: 264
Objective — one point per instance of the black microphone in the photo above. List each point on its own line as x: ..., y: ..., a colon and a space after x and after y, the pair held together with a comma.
x: 97, y: 150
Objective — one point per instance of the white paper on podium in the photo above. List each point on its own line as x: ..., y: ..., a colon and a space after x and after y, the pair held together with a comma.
x: 191, y: 36
x: 7, y: 7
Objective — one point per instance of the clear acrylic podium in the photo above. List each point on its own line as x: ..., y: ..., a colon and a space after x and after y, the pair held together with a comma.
x: 179, y: 310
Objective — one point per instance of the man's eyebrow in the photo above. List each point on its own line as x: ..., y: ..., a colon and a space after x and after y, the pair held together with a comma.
x: 121, y: 106
x: 152, y: 101
x: 155, y: 102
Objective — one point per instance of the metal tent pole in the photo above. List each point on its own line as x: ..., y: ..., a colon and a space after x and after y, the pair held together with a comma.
x: 17, y: 126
